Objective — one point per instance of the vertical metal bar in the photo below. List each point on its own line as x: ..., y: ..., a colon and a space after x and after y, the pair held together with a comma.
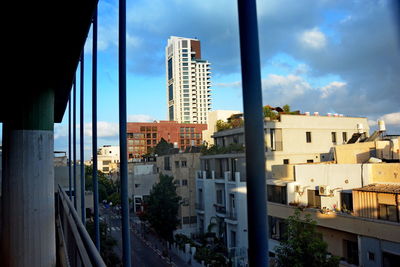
x: 254, y: 134
x: 74, y: 141
x: 94, y: 134
x: 126, y: 243
x: 82, y: 156
x: 69, y: 148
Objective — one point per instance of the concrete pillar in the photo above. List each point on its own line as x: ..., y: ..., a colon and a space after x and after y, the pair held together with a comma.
x: 28, y: 227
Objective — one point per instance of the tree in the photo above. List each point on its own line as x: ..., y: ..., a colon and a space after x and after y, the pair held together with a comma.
x: 162, y: 148
x: 162, y: 207
x: 107, y: 244
x: 286, y: 108
x: 106, y: 186
x: 303, y: 246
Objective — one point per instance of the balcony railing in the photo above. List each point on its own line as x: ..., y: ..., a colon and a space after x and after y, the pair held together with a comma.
x: 200, y: 175
x: 74, y: 245
x: 199, y: 206
x: 231, y: 215
x: 220, y: 208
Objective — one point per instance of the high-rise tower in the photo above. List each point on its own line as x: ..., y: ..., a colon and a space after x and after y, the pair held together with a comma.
x: 188, y: 81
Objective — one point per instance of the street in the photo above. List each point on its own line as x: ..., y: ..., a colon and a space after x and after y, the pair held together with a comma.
x: 144, y: 253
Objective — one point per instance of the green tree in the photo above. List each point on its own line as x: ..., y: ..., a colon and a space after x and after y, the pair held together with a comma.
x: 105, y: 185
x: 269, y: 113
x: 162, y: 148
x: 162, y: 207
x: 286, y: 108
x: 303, y: 246
x: 107, y: 244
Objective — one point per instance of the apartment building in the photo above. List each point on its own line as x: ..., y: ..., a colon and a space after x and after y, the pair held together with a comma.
x: 183, y: 167
x: 325, y: 190
x: 141, y: 178
x: 213, y: 117
x: 188, y: 81
x: 221, y: 182
x: 108, y: 158
x: 143, y: 136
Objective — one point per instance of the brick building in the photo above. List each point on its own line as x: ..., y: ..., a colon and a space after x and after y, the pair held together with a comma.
x: 144, y: 135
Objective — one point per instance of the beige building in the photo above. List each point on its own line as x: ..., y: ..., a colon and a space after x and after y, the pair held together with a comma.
x: 300, y: 138
x: 183, y: 166
x: 213, y: 117
x: 107, y: 158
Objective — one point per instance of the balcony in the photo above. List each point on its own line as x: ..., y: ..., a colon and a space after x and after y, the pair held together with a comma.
x: 200, y: 175
x: 220, y: 209
x: 231, y: 215
x: 74, y: 245
x: 200, y: 206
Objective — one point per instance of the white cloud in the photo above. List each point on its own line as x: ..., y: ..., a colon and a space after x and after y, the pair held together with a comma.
x: 140, y: 118
x: 372, y: 123
x: 289, y: 85
x: 313, y: 38
x: 391, y: 118
x: 60, y: 131
x: 332, y: 87
x: 104, y: 129
x: 231, y: 84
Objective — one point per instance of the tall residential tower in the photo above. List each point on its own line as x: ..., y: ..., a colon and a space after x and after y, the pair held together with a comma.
x: 188, y: 81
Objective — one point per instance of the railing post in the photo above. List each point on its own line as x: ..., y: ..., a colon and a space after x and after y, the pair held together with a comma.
x: 254, y: 133
x: 74, y: 140
x: 94, y: 134
x: 82, y: 156
x: 69, y: 148
x: 126, y: 243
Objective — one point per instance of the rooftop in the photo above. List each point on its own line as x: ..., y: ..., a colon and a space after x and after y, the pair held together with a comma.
x: 380, y: 188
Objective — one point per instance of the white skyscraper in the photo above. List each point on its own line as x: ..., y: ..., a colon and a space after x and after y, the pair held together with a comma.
x: 188, y: 81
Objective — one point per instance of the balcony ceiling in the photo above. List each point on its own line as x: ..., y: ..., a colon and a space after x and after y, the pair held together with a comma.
x: 43, y: 42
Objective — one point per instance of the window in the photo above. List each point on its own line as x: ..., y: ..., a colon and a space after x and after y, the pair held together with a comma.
x: 286, y: 161
x: 184, y: 55
x: 310, y: 161
x: 171, y: 113
x: 220, y: 197
x: 184, y: 163
x: 350, y: 251
x: 333, y: 137
x: 308, y: 137
x: 185, y: 64
x: 344, y: 136
x: 176, y: 164
x: 277, y: 228
x: 346, y: 200
x: 170, y: 92
x: 167, y: 165
x: 371, y: 256
x: 314, y: 199
x: 184, y: 182
x: 233, y: 239
x: 388, y: 213
x: 106, y: 169
x: 170, y: 69
x: 276, y: 194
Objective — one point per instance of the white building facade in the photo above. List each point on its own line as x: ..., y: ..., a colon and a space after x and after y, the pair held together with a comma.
x: 221, y: 183
x: 188, y: 81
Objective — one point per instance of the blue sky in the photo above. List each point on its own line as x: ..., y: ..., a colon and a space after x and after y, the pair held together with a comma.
x: 325, y: 56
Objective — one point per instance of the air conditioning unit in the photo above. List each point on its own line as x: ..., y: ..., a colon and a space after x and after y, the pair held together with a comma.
x: 298, y: 189
x: 324, y: 190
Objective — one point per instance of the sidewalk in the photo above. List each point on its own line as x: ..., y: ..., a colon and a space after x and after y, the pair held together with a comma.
x: 152, y: 241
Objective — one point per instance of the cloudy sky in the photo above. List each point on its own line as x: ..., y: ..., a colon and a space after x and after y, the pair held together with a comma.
x: 326, y: 56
